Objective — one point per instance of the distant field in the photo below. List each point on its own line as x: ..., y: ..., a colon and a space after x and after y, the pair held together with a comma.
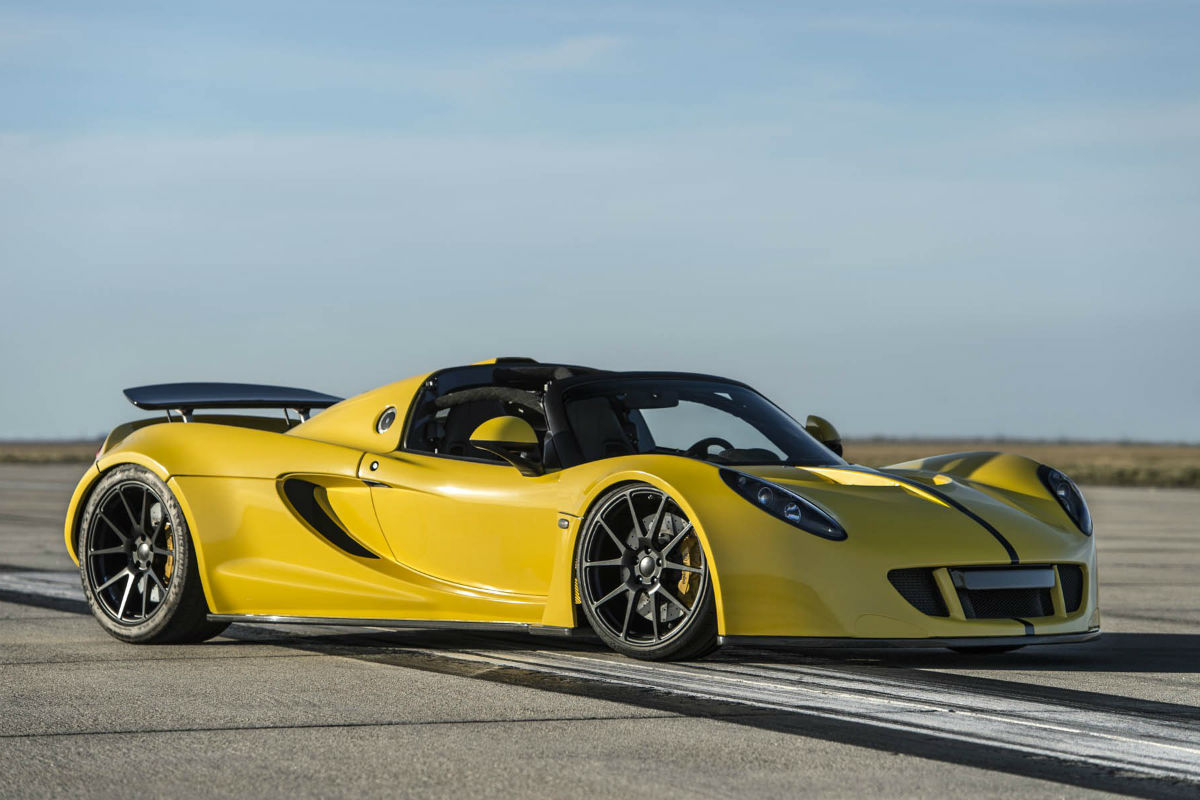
x: 1096, y: 463
x: 48, y: 452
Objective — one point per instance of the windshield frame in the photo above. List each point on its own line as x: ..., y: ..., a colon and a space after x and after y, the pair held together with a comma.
x: 569, y: 453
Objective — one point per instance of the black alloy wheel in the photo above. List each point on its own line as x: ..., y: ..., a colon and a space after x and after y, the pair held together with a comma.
x: 136, y: 561
x: 643, y: 576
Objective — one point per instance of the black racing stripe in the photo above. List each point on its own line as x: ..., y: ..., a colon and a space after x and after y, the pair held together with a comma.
x: 1028, y: 625
x: 1012, y: 553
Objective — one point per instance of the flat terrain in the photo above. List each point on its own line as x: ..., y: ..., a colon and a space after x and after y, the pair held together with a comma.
x: 49, y: 452
x: 324, y: 711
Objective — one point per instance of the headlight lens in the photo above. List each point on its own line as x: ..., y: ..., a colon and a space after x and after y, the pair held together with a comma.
x: 784, y: 504
x: 1064, y: 490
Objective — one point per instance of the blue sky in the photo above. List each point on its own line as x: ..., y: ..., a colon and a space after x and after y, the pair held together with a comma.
x: 961, y: 218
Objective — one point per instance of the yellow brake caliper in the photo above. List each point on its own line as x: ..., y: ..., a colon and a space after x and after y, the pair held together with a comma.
x: 170, y: 550
x: 690, y: 558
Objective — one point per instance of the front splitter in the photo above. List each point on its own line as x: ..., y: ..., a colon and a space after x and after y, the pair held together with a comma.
x: 815, y: 642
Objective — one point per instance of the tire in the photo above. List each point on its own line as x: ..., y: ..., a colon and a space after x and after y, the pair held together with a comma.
x: 137, y: 562
x: 987, y: 650
x: 638, y: 545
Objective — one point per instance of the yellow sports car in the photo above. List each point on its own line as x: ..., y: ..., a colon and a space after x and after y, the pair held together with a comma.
x: 667, y: 513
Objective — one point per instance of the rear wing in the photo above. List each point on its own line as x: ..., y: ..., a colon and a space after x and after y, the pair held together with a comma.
x: 184, y: 398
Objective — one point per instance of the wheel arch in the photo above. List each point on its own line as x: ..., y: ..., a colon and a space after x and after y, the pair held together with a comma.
x: 83, y: 490
x: 79, y: 499
x: 625, y: 477
x: 105, y: 466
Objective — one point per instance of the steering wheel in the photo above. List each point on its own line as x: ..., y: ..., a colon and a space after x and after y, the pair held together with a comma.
x: 700, y: 448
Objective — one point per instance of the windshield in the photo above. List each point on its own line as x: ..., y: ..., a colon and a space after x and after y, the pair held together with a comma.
x: 718, y: 422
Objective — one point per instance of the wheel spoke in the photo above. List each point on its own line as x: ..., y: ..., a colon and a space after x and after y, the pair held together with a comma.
x: 620, y: 588
x: 115, y: 529
x: 144, y: 588
x: 128, y: 510
x: 654, y: 612
x: 678, y: 537
x: 160, y: 526
x: 637, y: 524
x: 682, y: 567
x: 158, y: 551
x: 616, y: 540
x: 633, y: 593
x: 608, y: 562
x: 113, y: 579
x: 142, y: 520
x: 658, y: 518
x: 161, y: 586
x: 107, y: 551
x: 125, y: 597
x: 674, y: 600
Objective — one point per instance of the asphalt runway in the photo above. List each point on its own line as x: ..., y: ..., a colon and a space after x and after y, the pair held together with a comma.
x: 321, y: 711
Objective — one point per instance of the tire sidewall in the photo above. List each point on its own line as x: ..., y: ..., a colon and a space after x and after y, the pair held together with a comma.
x: 181, y: 570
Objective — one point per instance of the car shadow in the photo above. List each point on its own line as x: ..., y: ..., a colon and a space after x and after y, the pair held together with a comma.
x: 1113, y: 652
x: 1116, y: 653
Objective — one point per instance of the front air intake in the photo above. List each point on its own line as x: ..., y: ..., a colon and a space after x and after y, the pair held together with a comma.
x: 1017, y: 592
x: 918, y: 587
x: 1071, y: 578
x: 1006, y: 603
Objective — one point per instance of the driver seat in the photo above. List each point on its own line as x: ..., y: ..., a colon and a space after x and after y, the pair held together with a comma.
x: 597, y: 429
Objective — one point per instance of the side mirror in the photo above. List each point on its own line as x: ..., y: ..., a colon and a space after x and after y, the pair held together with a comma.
x: 823, y: 431
x: 511, y: 438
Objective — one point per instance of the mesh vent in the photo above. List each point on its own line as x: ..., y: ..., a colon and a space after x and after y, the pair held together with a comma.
x: 918, y: 587
x: 1071, y: 578
x: 1006, y: 603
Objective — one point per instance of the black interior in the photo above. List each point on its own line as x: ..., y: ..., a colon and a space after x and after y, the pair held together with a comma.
x: 454, y: 402
x: 599, y: 430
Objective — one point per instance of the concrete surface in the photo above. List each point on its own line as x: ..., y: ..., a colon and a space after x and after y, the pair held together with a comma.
x: 320, y: 713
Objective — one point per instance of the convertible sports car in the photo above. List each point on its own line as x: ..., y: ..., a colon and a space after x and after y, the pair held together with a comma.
x: 668, y: 513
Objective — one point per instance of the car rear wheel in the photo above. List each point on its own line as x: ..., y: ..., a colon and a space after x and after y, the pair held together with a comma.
x: 643, y: 577
x: 137, y: 563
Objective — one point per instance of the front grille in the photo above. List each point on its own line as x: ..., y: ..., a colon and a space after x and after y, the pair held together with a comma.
x: 918, y: 587
x: 1005, y: 603
x: 1071, y: 578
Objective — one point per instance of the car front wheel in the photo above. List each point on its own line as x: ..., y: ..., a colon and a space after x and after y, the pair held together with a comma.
x: 643, y: 576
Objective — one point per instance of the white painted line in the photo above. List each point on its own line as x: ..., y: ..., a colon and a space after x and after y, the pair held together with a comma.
x: 1123, y: 741
x: 58, y: 585
x: 1104, y: 739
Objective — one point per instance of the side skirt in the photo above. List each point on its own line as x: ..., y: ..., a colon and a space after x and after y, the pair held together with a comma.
x: 442, y: 625
x: 804, y: 642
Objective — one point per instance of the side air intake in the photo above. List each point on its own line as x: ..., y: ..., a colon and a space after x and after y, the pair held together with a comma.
x: 303, y: 497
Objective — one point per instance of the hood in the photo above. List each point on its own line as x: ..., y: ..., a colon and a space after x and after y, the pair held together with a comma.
x: 921, y: 509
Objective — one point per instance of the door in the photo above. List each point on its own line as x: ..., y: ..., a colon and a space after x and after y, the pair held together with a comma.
x: 475, y: 524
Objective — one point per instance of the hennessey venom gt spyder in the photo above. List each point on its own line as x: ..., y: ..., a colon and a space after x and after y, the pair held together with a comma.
x: 668, y: 513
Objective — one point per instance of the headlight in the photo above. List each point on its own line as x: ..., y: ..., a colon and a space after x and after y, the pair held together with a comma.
x: 785, y: 505
x: 1064, y: 490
